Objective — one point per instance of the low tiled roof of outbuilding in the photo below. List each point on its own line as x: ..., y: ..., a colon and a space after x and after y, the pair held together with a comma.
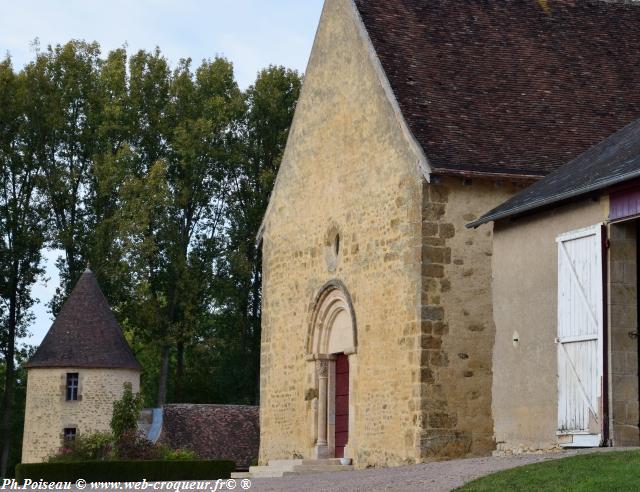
x: 230, y: 432
x: 509, y: 87
x: 85, y: 333
x: 614, y: 160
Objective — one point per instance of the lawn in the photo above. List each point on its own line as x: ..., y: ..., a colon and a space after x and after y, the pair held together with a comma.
x: 611, y: 471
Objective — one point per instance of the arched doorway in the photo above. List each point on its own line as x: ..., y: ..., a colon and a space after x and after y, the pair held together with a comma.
x: 331, y: 347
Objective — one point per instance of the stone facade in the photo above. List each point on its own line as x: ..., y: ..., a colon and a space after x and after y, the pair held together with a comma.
x: 47, y: 413
x: 456, y: 342
x: 623, y: 334
x: 351, y: 206
x: 348, y: 171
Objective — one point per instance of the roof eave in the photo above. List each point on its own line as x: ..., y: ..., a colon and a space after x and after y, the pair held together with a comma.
x: 57, y: 365
x: 492, y: 217
x: 468, y: 173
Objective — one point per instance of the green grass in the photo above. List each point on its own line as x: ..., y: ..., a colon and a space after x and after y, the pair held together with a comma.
x: 611, y: 471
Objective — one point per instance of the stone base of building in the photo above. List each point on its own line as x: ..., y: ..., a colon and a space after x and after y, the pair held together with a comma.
x: 284, y: 468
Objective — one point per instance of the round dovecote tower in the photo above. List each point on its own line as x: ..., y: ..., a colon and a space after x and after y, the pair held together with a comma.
x: 77, y: 373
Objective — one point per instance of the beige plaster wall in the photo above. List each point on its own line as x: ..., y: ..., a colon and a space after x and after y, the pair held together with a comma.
x: 457, y: 320
x: 348, y: 169
x: 525, y: 301
x: 47, y: 412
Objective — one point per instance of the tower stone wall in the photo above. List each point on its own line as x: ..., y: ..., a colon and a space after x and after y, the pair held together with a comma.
x: 47, y: 413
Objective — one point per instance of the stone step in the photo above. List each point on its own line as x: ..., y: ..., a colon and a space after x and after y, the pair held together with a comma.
x: 266, y: 472
x: 326, y: 461
x: 299, y: 474
x: 286, y: 463
x: 284, y: 468
x: 269, y: 471
x: 301, y: 469
x: 241, y: 475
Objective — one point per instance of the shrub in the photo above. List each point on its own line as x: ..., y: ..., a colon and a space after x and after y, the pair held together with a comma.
x: 178, y: 454
x: 87, y: 447
x: 125, y: 412
x: 102, y: 446
x: 132, y: 446
x: 131, y: 471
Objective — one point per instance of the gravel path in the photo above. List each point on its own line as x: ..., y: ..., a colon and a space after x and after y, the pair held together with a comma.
x: 438, y: 476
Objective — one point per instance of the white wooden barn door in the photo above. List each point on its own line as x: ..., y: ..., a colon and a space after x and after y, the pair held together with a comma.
x: 579, y: 341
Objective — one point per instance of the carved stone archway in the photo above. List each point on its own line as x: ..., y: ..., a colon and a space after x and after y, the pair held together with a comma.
x: 332, y: 327
x: 332, y: 331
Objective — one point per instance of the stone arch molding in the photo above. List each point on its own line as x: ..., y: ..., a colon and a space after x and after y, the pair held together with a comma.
x: 332, y: 327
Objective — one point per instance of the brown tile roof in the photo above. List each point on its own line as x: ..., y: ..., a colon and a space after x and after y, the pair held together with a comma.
x: 509, y: 86
x: 614, y: 160
x: 213, y: 431
x: 85, y: 333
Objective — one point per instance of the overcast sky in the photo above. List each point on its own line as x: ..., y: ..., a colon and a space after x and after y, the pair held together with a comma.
x: 251, y: 33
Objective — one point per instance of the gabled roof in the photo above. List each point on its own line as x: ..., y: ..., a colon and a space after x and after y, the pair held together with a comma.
x: 85, y: 333
x: 509, y: 87
x: 214, y: 431
x: 614, y: 160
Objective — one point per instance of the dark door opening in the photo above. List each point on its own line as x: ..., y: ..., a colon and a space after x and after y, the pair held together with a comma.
x: 342, y: 404
x: 638, y: 305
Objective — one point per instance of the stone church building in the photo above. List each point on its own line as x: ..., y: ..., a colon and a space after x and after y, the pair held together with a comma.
x: 76, y: 374
x: 415, y: 118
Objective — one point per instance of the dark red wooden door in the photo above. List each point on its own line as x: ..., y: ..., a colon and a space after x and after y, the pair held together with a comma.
x: 342, y: 404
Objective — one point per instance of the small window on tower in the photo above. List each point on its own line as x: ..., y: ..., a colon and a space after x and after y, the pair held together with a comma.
x: 72, y: 386
x: 69, y: 433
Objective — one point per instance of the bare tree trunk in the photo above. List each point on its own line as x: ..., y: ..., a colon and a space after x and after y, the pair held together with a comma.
x: 9, y: 384
x: 179, y: 371
x: 177, y: 314
x: 164, y: 375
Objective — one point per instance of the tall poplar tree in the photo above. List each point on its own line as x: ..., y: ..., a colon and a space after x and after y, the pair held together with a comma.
x: 183, y: 146
x: 158, y: 177
x: 74, y: 111
x: 271, y: 102
x: 21, y: 229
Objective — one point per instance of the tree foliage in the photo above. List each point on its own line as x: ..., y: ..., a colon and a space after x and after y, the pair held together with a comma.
x: 125, y: 412
x: 157, y: 177
x: 22, y: 222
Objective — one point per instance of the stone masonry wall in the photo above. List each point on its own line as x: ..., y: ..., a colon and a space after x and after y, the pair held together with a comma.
x: 348, y: 170
x: 623, y: 327
x: 47, y: 412
x: 458, y: 331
